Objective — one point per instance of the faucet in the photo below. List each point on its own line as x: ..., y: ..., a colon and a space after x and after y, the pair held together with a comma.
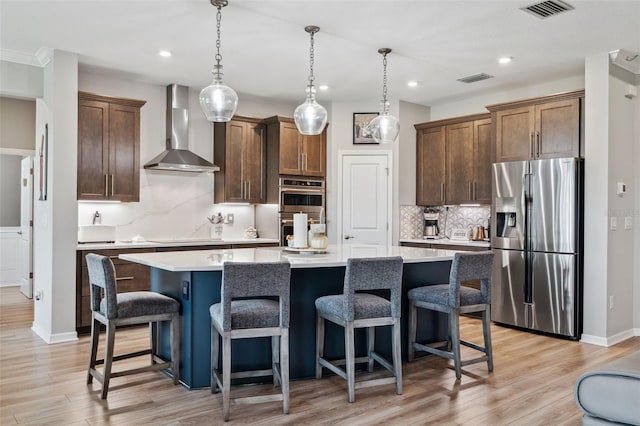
x: 97, y: 217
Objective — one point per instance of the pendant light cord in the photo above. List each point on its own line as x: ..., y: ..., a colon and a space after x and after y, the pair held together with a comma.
x: 218, y: 55
x: 311, y: 59
x: 384, y: 84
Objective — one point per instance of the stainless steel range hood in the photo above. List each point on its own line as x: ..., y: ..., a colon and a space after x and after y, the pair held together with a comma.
x: 177, y: 156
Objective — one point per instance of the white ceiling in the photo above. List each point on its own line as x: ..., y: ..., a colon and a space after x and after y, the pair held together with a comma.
x: 266, y: 50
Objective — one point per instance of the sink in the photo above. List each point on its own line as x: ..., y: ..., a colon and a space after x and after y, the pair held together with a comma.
x: 96, y: 233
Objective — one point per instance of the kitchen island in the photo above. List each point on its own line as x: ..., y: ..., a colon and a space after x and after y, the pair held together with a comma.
x: 194, y: 278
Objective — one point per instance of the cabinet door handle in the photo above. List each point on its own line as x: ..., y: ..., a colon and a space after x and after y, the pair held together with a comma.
x: 106, y: 185
x: 125, y: 278
x: 475, y: 191
x: 112, y: 184
x: 248, y: 197
x: 442, y: 191
x: 537, y: 144
x: 304, y: 161
x: 531, y: 145
x: 470, y: 190
x: 114, y: 257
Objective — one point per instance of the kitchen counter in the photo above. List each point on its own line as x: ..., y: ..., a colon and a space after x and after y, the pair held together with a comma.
x: 195, y: 279
x: 174, y: 243
x: 335, y: 256
x: 446, y: 241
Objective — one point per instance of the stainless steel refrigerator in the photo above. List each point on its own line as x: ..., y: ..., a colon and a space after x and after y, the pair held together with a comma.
x: 536, y: 235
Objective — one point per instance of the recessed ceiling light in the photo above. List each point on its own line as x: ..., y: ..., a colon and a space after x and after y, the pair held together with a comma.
x: 323, y: 87
x: 164, y: 53
x: 412, y: 83
x: 505, y: 59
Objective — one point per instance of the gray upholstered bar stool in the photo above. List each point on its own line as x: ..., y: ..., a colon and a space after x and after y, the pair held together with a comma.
x: 117, y: 309
x: 353, y: 310
x: 455, y: 299
x: 247, y: 318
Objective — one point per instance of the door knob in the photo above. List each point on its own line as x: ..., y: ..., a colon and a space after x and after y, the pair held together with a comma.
x: 347, y: 237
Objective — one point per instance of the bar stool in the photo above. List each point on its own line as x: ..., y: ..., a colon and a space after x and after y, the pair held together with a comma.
x: 455, y: 299
x: 117, y: 309
x: 242, y: 319
x: 353, y: 310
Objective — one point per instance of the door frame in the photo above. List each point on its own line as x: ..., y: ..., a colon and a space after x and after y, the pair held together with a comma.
x: 364, y: 153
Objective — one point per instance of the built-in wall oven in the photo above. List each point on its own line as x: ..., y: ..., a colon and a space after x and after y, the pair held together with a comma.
x: 299, y: 196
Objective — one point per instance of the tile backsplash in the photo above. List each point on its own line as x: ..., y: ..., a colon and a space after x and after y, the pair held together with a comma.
x: 450, y: 217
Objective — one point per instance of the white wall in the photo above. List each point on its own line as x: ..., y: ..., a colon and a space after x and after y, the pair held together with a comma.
x: 409, y: 115
x: 621, y: 253
x: 55, y: 219
x: 21, y: 81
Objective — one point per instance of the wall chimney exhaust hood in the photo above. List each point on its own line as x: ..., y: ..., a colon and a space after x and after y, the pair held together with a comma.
x: 177, y: 156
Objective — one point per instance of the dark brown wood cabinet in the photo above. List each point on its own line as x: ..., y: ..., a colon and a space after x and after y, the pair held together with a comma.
x: 546, y: 127
x: 108, y: 148
x: 454, y: 161
x: 430, y: 165
x: 295, y: 154
x: 240, y: 151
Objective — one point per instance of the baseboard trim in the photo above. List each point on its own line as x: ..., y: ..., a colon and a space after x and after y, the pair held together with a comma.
x: 54, y: 338
x: 609, y: 341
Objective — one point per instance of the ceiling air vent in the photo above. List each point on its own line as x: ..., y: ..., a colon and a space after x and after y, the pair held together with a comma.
x: 474, y: 78
x: 546, y: 9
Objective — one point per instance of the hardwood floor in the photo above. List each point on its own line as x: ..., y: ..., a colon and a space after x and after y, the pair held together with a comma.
x: 532, y: 384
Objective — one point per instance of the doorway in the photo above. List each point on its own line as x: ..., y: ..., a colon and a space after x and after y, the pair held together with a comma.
x: 364, y: 202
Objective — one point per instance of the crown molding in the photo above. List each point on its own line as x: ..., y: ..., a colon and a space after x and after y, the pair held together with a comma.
x: 40, y: 59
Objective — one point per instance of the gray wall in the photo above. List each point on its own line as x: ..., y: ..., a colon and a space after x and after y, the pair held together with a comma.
x: 10, y: 190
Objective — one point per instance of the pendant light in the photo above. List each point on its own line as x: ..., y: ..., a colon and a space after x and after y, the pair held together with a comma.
x: 384, y: 128
x: 310, y: 117
x: 218, y: 101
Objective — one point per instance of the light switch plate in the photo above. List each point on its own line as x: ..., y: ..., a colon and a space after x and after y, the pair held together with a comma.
x: 613, y: 224
x: 628, y: 222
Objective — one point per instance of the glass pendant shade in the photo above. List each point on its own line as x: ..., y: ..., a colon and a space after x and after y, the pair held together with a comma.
x: 384, y: 128
x: 218, y: 101
x: 310, y: 117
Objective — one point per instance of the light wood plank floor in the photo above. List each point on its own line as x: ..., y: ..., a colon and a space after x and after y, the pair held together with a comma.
x: 532, y: 384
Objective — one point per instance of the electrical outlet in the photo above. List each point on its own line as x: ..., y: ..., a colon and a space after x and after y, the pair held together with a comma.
x: 628, y: 222
x: 610, y: 302
x: 229, y: 219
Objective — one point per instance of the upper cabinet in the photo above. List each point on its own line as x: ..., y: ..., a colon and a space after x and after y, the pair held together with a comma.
x: 240, y: 151
x: 547, y: 127
x: 108, y: 148
x: 294, y: 153
x: 454, y: 161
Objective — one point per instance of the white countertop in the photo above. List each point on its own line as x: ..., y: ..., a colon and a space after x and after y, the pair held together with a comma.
x: 446, y: 241
x: 173, y: 243
x: 336, y: 255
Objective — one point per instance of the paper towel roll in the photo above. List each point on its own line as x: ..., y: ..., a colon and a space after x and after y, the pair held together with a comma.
x: 300, y: 230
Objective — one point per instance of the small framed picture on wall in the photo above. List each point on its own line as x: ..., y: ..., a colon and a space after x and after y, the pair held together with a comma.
x: 361, y: 133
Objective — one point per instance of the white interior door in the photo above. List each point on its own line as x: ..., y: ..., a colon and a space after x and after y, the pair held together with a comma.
x: 365, y: 208
x: 26, y: 227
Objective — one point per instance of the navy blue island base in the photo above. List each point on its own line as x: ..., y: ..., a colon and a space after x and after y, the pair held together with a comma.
x: 198, y: 290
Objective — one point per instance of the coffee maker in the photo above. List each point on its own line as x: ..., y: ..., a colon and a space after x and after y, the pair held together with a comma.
x: 431, y: 229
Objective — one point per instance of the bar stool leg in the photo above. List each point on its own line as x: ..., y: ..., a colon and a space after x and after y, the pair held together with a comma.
x: 175, y: 347
x: 319, y: 345
x: 486, y: 331
x: 95, y: 336
x: 275, y: 358
x: 397, y: 355
x: 455, y: 342
x: 284, y: 369
x: 226, y: 375
x: 371, y: 341
x: 350, y: 360
x: 108, y: 359
x: 215, y: 350
x: 413, y: 318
